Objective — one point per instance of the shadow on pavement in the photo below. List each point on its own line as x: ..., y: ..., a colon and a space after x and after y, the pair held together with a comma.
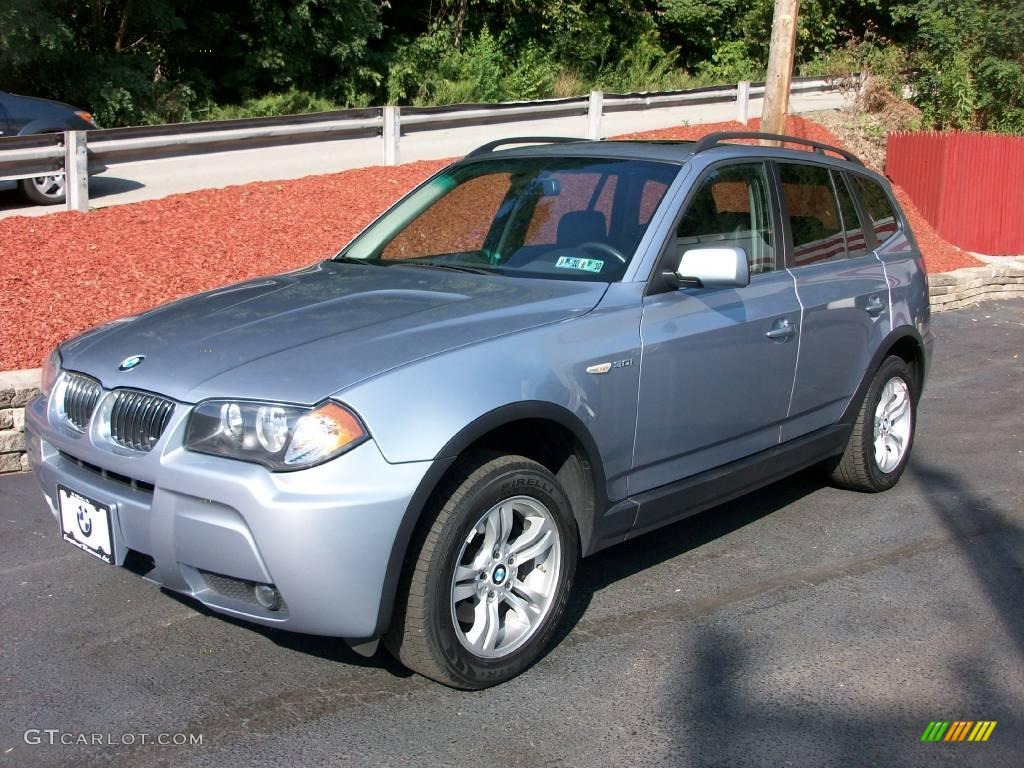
x: 328, y: 648
x: 626, y: 560
x: 997, y: 560
x: 722, y: 721
x: 99, y: 187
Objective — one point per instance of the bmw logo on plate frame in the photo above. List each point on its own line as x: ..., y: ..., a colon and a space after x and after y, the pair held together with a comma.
x: 131, y: 362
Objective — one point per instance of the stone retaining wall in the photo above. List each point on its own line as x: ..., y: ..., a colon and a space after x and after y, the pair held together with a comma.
x: 950, y: 290
x: 16, y: 389
x: 964, y: 287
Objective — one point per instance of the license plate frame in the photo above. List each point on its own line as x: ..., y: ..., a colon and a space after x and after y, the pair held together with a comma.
x: 86, y: 523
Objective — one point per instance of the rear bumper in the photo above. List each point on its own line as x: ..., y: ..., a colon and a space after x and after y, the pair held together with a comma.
x: 321, y: 536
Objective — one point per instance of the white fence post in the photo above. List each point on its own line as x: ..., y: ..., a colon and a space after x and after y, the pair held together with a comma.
x: 743, y: 101
x: 595, y: 106
x: 76, y: 171
x: 392, y: 134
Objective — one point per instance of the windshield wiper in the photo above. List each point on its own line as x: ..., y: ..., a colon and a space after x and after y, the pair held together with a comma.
x: 452, y: 267
x: 350, y: 260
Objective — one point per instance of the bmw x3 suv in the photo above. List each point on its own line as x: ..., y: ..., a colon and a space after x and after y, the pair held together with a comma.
x: 549, y: 347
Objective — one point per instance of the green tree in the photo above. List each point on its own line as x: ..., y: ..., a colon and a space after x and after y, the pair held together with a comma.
x: 968, y: 63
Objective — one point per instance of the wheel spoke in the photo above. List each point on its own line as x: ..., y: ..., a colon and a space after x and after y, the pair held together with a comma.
x: 538, y: 526
x: 539, y: 547
x: 484, y: 632
x: 528, y: 594
x: 505, y: 519
x: 880, y: 453
x: 491, y: 534
x: 463, y: 591
x: 527, y: 610
x: 898, y: 409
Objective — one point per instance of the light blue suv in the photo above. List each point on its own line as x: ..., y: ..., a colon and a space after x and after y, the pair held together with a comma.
x: 544, y: 350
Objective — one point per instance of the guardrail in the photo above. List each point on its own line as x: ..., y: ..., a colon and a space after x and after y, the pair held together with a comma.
x: 77, y: 152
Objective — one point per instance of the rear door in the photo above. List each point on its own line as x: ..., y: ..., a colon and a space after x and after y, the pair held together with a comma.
x: 718, y: 363
x: 842, y: 290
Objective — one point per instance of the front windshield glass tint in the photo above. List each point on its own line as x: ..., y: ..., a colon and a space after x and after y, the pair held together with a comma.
x: 567, y: 218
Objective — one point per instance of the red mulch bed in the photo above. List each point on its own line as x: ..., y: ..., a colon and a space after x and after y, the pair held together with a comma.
x: 65, y: 272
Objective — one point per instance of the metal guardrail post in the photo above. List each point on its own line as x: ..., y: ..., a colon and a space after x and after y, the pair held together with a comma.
x: 743, y: 101
x: 595, y: 106
x: 392, y: 134
x: 76, y: 171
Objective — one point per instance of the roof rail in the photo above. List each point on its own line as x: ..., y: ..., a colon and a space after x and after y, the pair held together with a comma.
x: 493, y: 145
x: 715, y: 139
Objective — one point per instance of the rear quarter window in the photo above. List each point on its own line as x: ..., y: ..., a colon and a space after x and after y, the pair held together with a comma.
x: 883, y: 216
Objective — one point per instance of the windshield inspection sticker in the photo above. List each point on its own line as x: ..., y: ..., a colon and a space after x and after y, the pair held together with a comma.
x: 586, y: 265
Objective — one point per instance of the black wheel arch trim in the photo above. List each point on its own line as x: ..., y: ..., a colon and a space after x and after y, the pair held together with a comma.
x: 884, y: 350
x: 446, y: 457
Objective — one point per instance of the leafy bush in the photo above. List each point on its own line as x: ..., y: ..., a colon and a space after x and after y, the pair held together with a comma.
x: 292, y: 102
x: 968, y: 63
x: 731, y: 63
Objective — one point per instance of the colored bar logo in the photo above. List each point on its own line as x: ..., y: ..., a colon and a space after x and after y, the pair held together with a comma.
x: 958, y: 730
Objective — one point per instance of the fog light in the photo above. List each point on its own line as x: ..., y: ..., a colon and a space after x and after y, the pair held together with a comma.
x: 268, y: 596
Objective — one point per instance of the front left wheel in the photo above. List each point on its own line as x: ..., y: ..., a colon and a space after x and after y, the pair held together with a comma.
x: 491, y: 576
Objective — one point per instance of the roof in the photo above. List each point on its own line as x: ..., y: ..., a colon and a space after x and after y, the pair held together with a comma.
x: 674, y: 151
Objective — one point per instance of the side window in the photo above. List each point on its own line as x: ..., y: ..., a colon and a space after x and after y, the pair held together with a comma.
x: 813, y: 214
x: 731, y: 209
x: 855, y: 244
x: 883, y: 217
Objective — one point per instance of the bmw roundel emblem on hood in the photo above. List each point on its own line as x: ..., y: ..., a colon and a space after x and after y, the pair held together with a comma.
x: 131, y: 362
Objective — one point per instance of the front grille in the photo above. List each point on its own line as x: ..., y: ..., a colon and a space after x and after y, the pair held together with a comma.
x: 138, y: 485
x: 138, y: 419
x: 80, y: 397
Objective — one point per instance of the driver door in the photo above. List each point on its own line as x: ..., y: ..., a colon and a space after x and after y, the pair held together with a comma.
x: 718, y: 364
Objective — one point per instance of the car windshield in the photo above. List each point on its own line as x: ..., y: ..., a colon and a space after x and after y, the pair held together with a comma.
x: 566, y: 218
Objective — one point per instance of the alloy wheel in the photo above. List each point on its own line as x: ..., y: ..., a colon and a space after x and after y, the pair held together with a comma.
x: 892, y: 424
x: 506, y: 577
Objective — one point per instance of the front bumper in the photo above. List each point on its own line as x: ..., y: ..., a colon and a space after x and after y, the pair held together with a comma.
x: 214, y: 527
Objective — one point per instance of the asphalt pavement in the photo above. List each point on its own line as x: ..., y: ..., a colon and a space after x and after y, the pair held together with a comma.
x: 797, y: 626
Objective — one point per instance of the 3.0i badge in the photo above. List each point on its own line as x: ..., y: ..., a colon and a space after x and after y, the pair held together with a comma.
x: 131, y: 362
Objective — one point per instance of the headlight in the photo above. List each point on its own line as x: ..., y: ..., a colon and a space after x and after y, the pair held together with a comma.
x: 280, y: 437
x: 51, y: 369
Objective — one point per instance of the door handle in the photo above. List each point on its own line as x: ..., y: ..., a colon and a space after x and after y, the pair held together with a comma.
x: 875, y: 306
x: 781, y: 330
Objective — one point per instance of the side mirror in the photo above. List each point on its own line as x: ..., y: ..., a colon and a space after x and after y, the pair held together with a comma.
x: 714, y: 268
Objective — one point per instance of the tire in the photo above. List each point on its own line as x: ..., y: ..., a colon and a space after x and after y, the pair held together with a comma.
x: 444, y: 617
x: 43, y: 190
x: 862, y: 467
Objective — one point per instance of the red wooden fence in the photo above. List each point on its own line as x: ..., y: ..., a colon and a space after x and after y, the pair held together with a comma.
x: 969, y: 186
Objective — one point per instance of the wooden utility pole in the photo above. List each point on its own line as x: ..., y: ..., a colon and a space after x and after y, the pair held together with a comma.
x: 780, y: 67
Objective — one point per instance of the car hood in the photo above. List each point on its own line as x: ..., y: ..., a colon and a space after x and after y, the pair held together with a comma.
x: 39, y: 104
x: 302, y: 336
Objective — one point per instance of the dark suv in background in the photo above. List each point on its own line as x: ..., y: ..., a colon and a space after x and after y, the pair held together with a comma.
x: 26, y: 115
